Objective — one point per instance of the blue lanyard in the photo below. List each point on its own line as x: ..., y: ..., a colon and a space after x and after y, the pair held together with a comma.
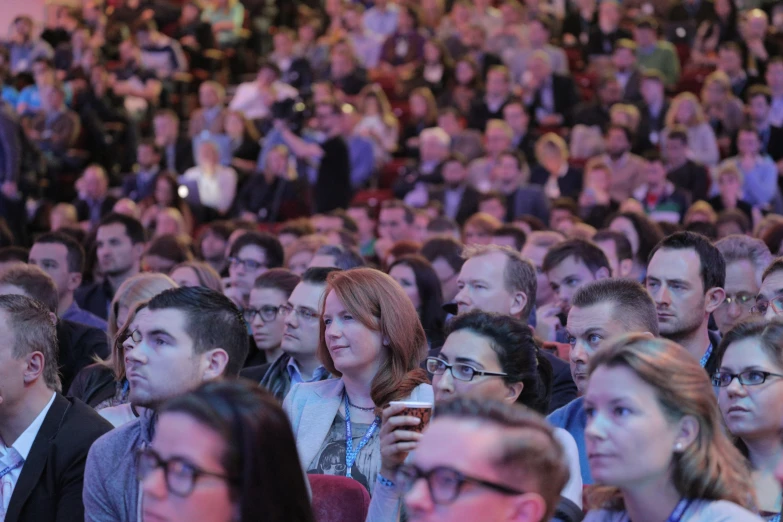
x: 706, y: 356
x: 350, y: 454
x: 12, y: 467
x: 776, y: 518
x: 682, y: 505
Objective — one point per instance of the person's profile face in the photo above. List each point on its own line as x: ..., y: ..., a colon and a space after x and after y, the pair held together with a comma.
x: 481, y: 285
x: 300, y: 336
x: 469, y: 348
x: 267, y: 334
x: 587, y: 329
x: 568, y: 277
x: 115, y: 250
x: 211, y: 498
x: 244, y: 276
x: 392, y: 224
x: 11, y: 368
x: 164, y: 363
x: 354, y: 348
x: 628, y: 436
x: 52, y: 258
x: 741, y: 290
x: 674, y: 282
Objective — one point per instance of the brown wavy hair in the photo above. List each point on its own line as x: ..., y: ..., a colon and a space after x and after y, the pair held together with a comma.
x: 711, y: 468
x: 380, y: 304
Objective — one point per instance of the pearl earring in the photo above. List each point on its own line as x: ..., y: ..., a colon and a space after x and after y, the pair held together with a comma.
x: 678, y: 447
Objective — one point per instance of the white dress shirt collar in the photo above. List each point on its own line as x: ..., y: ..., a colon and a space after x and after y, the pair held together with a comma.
x: 24, y: 443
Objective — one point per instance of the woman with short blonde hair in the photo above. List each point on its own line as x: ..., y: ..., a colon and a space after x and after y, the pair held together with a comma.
x: 686, y: 110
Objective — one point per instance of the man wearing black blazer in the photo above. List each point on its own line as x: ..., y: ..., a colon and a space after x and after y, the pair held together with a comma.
x: 176, y: 151
x: 459, y: 200
x: 44, y: 437
x: 549, y: 97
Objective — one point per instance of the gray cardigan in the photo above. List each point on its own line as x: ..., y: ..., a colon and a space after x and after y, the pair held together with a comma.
x: 111, y: 490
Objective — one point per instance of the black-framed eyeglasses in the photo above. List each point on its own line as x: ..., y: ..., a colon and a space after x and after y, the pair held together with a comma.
x: 460, y: 371
x: 304, y: 314
x: 741, y: 300
x: 761, y: 307
x: 748, y: 378
x: 135, y: 336
x: 249, y: 264
x: 267, y: 313
x: 444, y: 483
x: 181, y: 476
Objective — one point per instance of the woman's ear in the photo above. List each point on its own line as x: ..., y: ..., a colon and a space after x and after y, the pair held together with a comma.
x: 513, y: 391
x: 688, y: 432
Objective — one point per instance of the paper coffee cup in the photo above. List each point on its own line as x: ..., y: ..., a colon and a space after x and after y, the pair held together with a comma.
x: 422, y: 410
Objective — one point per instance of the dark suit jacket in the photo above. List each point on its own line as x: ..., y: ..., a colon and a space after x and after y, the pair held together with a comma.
x: 255, y: 373
x: 570, y: 184
x: 692, y: 178
x: 565, y: 99
x: 78, y: 344
x: 83, y: 210
x: 10, y: 145
x: 480, y: 114
x: 50, y: 485
x: 468, y: 205
x: 563, y: 385
x: 633, y: 88
x: 183, y: 156
x: 648, y: 125
x: 530, y: 201
x: 133, y: 188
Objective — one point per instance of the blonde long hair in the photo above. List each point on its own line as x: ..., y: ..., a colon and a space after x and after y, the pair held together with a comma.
x: 698, y: 111
x: 710, y: 468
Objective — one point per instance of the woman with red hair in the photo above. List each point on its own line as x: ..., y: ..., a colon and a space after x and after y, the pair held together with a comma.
x: 372, y: 341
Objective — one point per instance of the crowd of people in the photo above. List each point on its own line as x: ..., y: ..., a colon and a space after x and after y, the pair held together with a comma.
x: 242, y: 242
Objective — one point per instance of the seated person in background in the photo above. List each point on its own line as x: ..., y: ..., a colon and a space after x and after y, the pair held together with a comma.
x: 497, y: 138
x: 496, y: 95
x: 140, y: 87
x: 62, y: 257
x: 217, y: 185
x: 434, y: 144
x: 686, y: 110
x: 160, y: 53
x: 508, y: 178
x: 211, y: 114
x: 746, y: 258
x: 548, y: 96
x: 596, y: 113
x: 55, y: 128
x: 626, y: 168
x: 94, y: 201
x: 568, y: 266
x: 176, y: 150
x: 759, y: 99
x: 45, y: 436
x: 760, y: 187
x: 553, y: 172
x: 165, y: 252
x: 249, y: 256
x: 660, y: 199
x: 653, y: 53
x: 253, y: 418
x: 459, y: 199
x: 617, y: 250
x: 685, y: 173
x: 539, y: 35
x: 254, y: 99
x: 139, y: 184
x: 467, y: 142
x: 78, y: 344
x: 730, y: 182
x: 269, y: 196
x: 595, y: 202
x: 530, y: 475
x: 604, y: 35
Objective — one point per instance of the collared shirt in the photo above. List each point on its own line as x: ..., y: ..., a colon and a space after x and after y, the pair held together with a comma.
x: 22, y: 446
x: 76, y: 314
x: 296, y: 375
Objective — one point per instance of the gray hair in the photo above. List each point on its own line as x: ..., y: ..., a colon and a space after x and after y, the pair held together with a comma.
x: 737, y: 247
x: 344, y: 258
x: 436, y: 133
x: 519, y: 275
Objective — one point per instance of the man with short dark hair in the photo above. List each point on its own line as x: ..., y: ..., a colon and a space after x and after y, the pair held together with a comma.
x: 445, y: 255
x: 140, y: 184
x: 685, y: 277
x: 250, y: 256
x: 44, y: 437
x: 62, y: 257
x: 337, y: 256
x: 505, y: 447
x: 680, y: 169
x: 119, y: 244
x: 568, y: 266
x: 600, y: 310
x: 459, y: 199
x: 769, y: 301
x: 299, y: 362
x: 617, y: 250
x: 509, y: 177
x: 498, y: 279
x: 509, y: 236
x: 205, y: 338
x: 661, y: 200
x: 626, y: 168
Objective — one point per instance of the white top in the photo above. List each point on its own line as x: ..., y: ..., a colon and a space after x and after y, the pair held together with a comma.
x: 699, y: 511
x: 216, y: 191
x: 250, y: 101
x: 118, y: 415
x: 22, y: 446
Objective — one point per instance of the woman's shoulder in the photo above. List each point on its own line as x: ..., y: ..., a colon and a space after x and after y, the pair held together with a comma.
x: 721, y: 511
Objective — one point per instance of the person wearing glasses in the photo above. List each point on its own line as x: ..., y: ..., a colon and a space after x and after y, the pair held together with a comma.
x: 252, y: 254
x: 750, y: 396
x: 372, y: 340
x: 769, y: 301
x: 185, y: 337
x: 300, y: 314
x: 746, y: 258
x: 270, y: 291
x: 486, y: 356
x: 655, y: 440
x: 239, y: 463
x: 484, y: 460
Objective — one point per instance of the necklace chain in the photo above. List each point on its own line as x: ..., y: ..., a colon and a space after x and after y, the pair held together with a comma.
x: 352, y: 405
